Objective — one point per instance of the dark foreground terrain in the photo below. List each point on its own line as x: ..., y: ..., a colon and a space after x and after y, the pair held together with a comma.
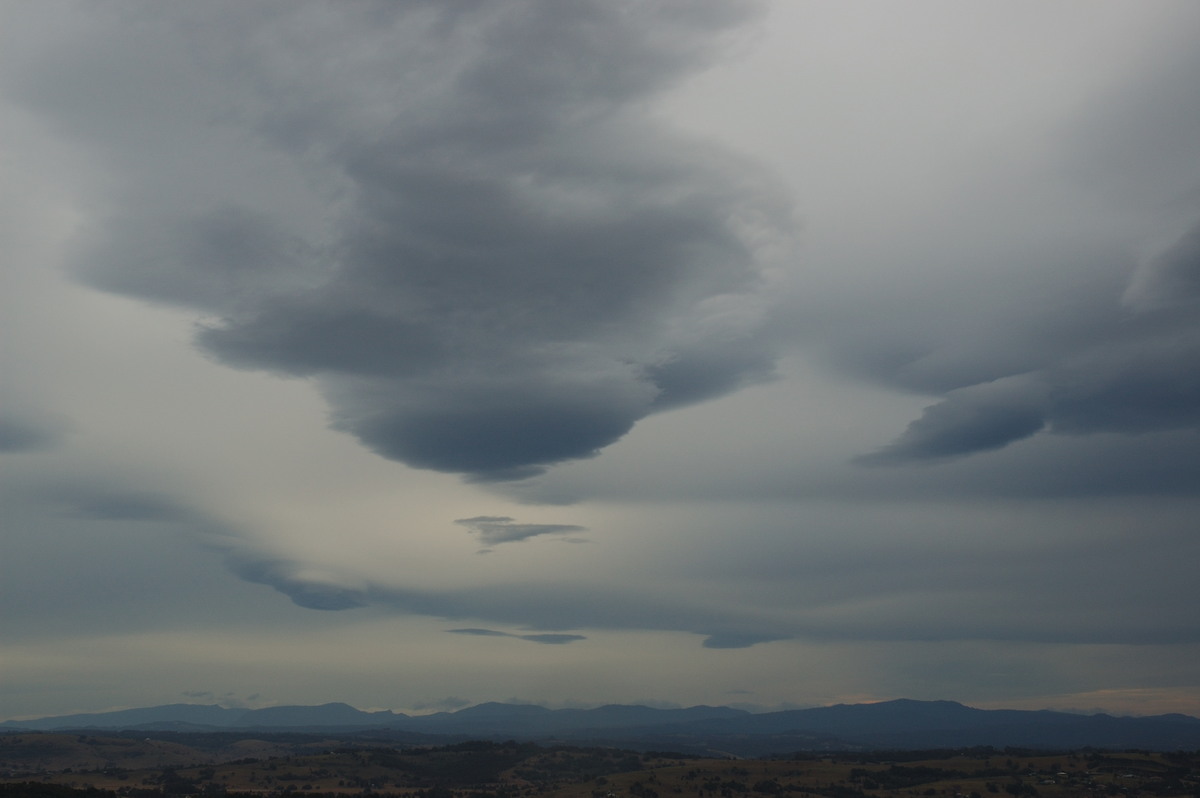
x: 48, y: 765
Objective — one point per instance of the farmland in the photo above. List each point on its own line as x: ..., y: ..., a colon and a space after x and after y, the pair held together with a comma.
x: 295, y: 764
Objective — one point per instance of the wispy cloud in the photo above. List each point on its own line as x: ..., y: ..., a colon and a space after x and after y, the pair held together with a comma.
x: 553, y: 639
x: 494, y: 530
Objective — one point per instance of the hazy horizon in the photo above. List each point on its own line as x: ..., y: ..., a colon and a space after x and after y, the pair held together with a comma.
x: 754, y: 709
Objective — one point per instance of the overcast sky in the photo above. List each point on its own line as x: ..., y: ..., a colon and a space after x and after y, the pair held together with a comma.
x: 419, y: 354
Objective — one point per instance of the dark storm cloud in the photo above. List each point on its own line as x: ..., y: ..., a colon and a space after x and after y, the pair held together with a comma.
x: 475, y: 235
x: 544, y: 639
x: 494, y: 530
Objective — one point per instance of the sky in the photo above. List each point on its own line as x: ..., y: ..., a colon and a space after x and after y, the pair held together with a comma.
x: 775, y: 354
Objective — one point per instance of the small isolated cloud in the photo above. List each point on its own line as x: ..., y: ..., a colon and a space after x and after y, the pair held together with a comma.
x: 738, y: 640
x: 479, y: 632
x: 551, y: 639
x: 494, y: 530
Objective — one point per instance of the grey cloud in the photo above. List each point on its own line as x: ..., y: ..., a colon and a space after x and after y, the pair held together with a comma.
x: 544, y: 639
x: 208, y: 259
x: 1096, y: 599
x: 479, y: 632
x: 552, y: 639
x: 1096, y: 465
x: 23, y: 434
x: 656, y: 43
x: 970, y: 420
x: 1145, y: 387
x: 330, y: 340
x: 499, y: 261
x: 1026, y: 311
x: 322, y: 597
x: 494, y: 530
x: 284, y: 577
x: 737, y: 640
x: 554, y: 606
x: 1010, y: 315
x: 548, y: 607
x: 1141, y: 378
x: 84, y: 555
x: 714, y: 368
x: 892, y: 590
x: 1170, y: 278
x: 27, y: 422
x: 1138, y: 141
x: 491, y: 426
x: 103, y: 504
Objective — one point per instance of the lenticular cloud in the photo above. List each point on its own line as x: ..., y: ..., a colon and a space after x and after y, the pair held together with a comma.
x: 473, y: 235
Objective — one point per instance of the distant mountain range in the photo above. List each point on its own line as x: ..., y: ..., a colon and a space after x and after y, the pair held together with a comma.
x: 900, y: 725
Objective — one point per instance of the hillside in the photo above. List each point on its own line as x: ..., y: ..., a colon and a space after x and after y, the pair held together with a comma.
x: 702, y: 730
